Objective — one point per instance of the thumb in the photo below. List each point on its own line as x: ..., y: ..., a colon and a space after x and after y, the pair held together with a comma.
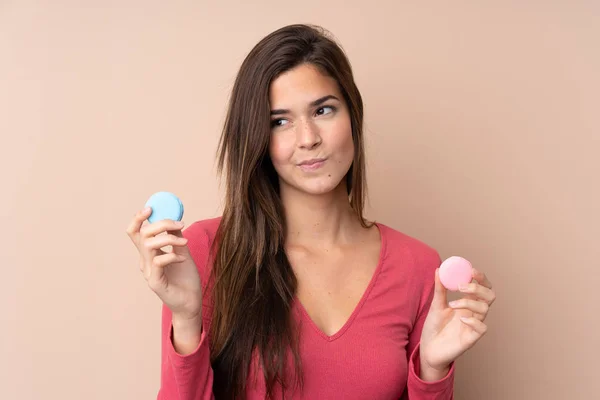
x: 440, y: 299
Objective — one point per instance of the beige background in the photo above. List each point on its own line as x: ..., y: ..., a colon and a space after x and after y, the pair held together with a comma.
x: 483, y: 139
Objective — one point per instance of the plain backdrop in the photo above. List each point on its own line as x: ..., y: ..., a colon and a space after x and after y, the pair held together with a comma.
x: 483, y: 139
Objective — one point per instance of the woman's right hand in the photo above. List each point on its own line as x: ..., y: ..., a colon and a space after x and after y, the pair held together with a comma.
x: 172, y: 275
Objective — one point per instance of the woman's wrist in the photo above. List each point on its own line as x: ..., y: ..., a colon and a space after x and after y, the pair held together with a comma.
x: 186, y: 334
x: 428, y: 373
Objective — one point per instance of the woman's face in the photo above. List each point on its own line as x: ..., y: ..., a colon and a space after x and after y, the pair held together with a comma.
x: 311, y: 134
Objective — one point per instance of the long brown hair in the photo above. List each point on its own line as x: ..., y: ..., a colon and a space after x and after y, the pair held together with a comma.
x: 253, y: 282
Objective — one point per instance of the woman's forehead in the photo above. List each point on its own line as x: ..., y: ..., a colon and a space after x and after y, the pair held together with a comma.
x: 300, y: 86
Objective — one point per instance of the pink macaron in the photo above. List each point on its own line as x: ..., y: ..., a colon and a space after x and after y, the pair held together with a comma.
x: 455, y: 271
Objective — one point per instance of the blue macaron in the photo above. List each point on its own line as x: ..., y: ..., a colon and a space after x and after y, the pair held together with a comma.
x: 164, y: 205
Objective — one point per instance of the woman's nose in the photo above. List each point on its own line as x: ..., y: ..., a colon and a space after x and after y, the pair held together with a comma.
x: 308, y: 135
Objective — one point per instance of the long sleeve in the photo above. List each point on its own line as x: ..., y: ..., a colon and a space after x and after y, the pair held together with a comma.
x: 190, y: 377
x: 416, y: 388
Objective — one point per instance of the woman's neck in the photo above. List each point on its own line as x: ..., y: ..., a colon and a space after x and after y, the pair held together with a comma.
x: 319, y: 221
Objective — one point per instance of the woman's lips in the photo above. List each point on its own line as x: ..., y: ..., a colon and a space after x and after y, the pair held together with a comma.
x: 312, y: 165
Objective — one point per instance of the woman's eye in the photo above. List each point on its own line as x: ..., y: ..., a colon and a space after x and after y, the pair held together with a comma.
x: 278, y: 122
x: 325, y: 110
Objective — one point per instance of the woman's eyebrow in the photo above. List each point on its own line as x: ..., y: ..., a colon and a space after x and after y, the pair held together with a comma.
x: 315, y: 103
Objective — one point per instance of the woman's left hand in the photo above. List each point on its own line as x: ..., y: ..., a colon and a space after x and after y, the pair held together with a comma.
x: 452, y: 328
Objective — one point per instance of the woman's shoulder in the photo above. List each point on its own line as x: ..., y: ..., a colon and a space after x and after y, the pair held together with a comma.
x: 401, y: 247
x: 201, y: 236
x: 202, y: 231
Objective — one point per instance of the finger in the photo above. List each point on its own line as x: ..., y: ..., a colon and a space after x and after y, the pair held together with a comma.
x: 481, y: 278
x: 158, y: 227
x: 478, y: 327
x: 177, y: 232
x: 478, y: 291
x: 136, y: 223
x: 479, y: 317
x: 476, y: 307
x: 166, y: 259
x: 158, y: 242
x: 439, y: 295
x: 181, y: 249
x: 158, y: 264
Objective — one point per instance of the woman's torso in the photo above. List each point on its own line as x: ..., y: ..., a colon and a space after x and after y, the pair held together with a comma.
x: 367, y: 357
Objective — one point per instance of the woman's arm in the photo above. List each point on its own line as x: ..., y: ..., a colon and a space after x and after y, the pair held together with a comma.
x: 186, y: 373
x: 425, y: 383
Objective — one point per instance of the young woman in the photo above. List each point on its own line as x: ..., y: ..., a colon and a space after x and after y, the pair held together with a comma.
x: 292, y: 293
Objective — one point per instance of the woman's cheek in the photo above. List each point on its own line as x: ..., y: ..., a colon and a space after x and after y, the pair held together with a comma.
x: 281, y: 154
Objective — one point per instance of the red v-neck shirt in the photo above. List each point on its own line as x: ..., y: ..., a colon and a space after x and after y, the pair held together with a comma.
x: 374, y: 356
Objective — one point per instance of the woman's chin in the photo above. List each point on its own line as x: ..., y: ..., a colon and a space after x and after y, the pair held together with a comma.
x: 317, y: 187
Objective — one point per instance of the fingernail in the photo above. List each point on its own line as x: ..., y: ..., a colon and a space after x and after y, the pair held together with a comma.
x: 146, y: 209
x: 463, y: 286
x: 453, y: 303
